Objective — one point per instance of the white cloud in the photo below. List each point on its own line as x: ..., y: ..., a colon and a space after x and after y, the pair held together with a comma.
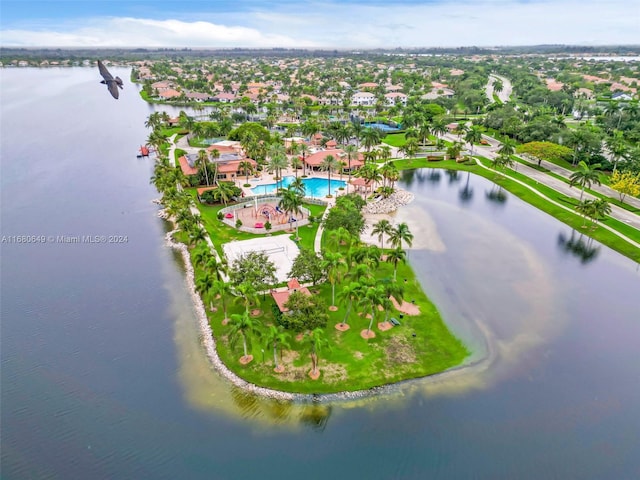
x: 138, y: 32
x: 336, y: 25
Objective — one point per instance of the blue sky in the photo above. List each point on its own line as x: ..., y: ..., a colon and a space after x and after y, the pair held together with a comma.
x: 329, y: 24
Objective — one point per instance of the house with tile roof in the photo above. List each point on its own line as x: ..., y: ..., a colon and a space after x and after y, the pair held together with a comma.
x: 281, y: 296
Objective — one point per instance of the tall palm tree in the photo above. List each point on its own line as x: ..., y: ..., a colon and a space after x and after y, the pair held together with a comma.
x: 276, y: 338
x: 508, y: 147
x: 370, y: 138
x: 316, y: 341
x: 304, y: 151
x: 223, y: 290
x: 349, y: 293
x: 382, y: 228
x: 371, y: 298
x: 291, y: 203
x: 473, y: 136
x: 247, y: 295
x: 278, y: 161
x: 396, y: 256
x: 204, y: 159
x: 224, y: 191
x: 329, y: 163
x: 333, y: 263
x: 399, y: 234
x: 617, y: 147
x: 352, y: 154
x: 244, y: 327
x: 204, y: 285
x: 585, y: 176
x: 247, y: 168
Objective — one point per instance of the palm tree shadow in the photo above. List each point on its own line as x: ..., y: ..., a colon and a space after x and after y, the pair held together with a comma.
x: 465, y: 194
x: 497, y: 196
x: 585, y: 251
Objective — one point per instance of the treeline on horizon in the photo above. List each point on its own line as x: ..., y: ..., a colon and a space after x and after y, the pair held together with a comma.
x: 31, y: 53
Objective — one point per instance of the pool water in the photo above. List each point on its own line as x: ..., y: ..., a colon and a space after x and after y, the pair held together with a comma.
x: 315, y: 187
x: 382, y: 126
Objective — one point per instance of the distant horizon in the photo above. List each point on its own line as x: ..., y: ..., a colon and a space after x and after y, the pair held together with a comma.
x: 324, y: 24
x: 329, y: 48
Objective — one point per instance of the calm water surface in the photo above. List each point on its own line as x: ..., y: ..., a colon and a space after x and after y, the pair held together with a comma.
x: 103, y: 373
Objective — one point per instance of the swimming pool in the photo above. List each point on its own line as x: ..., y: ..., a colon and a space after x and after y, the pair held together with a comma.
x: 315, y: 187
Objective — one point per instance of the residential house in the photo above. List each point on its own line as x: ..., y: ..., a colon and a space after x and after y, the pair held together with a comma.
x: 396, y: 98
x: 363, y: 99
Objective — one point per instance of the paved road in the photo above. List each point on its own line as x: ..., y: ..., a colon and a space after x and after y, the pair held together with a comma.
x: 505, y: 94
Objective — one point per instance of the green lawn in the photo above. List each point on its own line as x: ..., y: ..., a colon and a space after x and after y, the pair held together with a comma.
x: 350, y: 363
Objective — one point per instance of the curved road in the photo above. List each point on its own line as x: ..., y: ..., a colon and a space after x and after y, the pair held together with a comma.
x: 507, y: 89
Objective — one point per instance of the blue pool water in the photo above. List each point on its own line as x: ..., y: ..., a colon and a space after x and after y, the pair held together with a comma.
x: 382, y: 126
x: 315, y: 187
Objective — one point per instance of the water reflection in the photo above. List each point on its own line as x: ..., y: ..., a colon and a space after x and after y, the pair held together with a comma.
x: 465, y: 194
x: 581, y: 247
x: 454, y: 176
x: 434, y: 176
x: 496, y: 195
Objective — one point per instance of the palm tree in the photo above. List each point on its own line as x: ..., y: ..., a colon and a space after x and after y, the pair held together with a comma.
x: 295, y: 163
x: 473, y: 136
x: 410, y: 148
x: 396, y: 256
x: 333, y: 263
x: 204, y: 159
x: 382, y: 228
x: 508, y: 147
x: 276, y: 337
x: 349, y: 293
x: 329, y: 163
x: 247, y: 168
x: 223, y: 290
x: 204, y: 286
x: 290, y: 202
x: 352, y: 154
x: 501, y: 162
x: 372, y: 297
x: 370, y: 138
x: 600, y: 209
x: 585, y: 208
x: 247, y: 295
x: 399, y: 234
x: 617, y: 147
x: 224, y: 191
x: 316, y: 341
x: 304, y: 151
x: 299, y: 186
x: 244, y: 327
x: 585, y: 175
x: 278, y: 161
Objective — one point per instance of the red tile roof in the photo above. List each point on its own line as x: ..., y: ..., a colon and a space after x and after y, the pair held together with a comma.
x: 282, y: 297
x: 186, y: 169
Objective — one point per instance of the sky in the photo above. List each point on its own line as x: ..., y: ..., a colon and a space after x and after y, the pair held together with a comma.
x: 341, y: 24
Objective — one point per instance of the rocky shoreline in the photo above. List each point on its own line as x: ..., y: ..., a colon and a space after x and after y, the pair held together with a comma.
x: 389, y: 204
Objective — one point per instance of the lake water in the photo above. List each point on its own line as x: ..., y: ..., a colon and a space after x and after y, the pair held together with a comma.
x: 104, y: 376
